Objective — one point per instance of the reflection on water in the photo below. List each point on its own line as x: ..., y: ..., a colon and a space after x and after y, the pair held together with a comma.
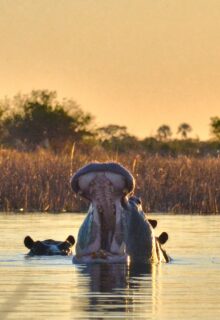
x: 54, y: 288
x: 112, y: 287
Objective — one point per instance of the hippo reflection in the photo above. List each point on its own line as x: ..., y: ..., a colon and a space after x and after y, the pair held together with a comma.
x: 116, y: 229
x: 49, y: 247
x: 117, y: 288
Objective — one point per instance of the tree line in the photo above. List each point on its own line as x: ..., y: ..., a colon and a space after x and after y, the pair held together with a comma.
x: 40, y: 120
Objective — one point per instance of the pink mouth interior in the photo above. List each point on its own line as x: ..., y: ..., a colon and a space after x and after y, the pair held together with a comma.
x: 104, y: 190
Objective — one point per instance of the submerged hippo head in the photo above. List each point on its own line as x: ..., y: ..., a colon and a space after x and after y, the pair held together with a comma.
x: 116, y: 227
x: 49, y: 247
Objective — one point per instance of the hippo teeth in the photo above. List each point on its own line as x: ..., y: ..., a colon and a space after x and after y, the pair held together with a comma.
x: 103, y: 195
x: 105, y: 228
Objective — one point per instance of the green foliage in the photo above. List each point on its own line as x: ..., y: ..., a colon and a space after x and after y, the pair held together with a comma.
x: 116, y: 138
x: 39, y: 119
x: 186, y: 147
x: 111, y: 131
x: 184, y: 129
x: 1, y: 127
x: 215, y: 126
x: 164, y: 132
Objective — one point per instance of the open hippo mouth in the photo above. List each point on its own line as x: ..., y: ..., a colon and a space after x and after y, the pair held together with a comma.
x: 102, y: 236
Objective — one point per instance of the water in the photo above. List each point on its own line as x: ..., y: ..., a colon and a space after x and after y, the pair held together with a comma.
x: 54, y: 288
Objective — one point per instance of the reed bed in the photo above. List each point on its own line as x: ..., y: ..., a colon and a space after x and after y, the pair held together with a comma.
x: 39, y: 181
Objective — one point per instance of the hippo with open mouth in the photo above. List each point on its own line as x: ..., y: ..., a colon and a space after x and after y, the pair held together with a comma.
x: 116, y: 229
x: 49, y: 247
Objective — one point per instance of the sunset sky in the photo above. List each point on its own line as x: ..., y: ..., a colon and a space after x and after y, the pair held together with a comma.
x: 139, y: 63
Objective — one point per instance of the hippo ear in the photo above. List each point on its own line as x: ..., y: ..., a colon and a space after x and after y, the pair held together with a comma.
x: 71, y: 240
x: 28, y: 242
x: 153, y: 223
x: 163, y: 238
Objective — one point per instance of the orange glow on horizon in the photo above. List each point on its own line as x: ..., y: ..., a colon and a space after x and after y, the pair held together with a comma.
x: 135, y: 63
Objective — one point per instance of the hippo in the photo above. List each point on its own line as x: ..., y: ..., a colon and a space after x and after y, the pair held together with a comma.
x: 49, y: 247
x: 116, y: 229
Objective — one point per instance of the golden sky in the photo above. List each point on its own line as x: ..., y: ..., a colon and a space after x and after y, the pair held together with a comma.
x: 139, y: 63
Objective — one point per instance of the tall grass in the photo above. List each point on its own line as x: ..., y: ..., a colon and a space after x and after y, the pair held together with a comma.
x: 39, y: 181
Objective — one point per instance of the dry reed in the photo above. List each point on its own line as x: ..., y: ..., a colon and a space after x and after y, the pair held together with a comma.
x: 40, y: 181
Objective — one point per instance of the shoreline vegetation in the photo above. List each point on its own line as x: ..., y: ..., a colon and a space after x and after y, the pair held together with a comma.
x: 175, y: 174
x: 40, y: 181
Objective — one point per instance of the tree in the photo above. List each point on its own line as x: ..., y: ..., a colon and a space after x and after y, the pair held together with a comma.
x: 112, y: 131
x: 1, y: 128
x: 184, y: 129
x: 40, y: 119
x: 164, y: 132
x: 115, y: 137
x: 215, y: 126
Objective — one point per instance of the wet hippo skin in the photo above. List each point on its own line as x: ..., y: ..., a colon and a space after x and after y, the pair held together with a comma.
x: 49, y: 247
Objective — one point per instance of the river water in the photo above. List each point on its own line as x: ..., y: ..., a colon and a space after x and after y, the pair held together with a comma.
x: 54, y: 288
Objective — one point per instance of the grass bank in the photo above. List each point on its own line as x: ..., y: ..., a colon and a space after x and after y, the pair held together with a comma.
x: 39, y: 181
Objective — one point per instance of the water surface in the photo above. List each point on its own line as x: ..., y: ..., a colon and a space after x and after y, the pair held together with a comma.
x: 54, y: 288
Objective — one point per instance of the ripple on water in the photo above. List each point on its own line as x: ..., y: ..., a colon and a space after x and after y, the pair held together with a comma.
x: 53, y: 288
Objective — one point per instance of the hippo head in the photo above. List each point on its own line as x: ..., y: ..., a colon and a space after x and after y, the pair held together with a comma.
x: 49, y: 247
x: 115, y: 229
